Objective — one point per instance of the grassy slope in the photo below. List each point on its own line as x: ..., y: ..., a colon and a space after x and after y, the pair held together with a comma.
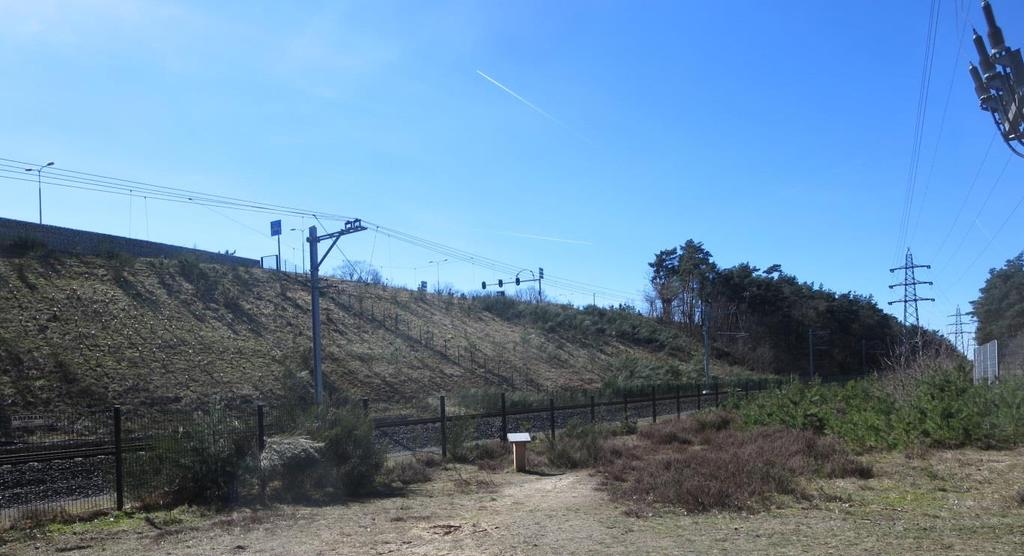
x: 92, y: 331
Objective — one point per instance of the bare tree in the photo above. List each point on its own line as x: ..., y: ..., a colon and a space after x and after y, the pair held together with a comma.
x: 358, y: 271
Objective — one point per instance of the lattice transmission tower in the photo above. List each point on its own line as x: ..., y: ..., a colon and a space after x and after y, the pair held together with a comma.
x: 911, y: 322
x: 958, y: 332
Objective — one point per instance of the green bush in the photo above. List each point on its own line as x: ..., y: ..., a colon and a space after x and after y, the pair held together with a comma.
x: 938, y: 408
x: 354, y: 458
x: 203, y: 464
x: 461, y: 434
x: 193, y: 272
x: 578, y: 445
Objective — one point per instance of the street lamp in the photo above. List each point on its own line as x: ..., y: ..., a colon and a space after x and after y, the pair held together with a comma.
x: 300, y: 230
x: 39, y: 182
x: 999, y: 82
x: 438, y: 265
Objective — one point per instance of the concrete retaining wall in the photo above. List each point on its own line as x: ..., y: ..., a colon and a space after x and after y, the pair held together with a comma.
x: 91, y: 243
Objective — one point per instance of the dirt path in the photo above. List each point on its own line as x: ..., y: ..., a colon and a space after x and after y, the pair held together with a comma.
x: 951, y: 502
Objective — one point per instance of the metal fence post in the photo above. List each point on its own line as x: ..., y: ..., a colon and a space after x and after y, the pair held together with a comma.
x: 444, y: 431
x: 625, y: 406
x: 261, y: 444
x: 261, y: 435
x: 654, y: 404
x: 679, y: 406
x: 504, y: 420
x: 700, y: 396
x: 366, y: 407
x: 593, y: 412
x: 716, y: 392
x: 118, y: 460
x: 551, y: 416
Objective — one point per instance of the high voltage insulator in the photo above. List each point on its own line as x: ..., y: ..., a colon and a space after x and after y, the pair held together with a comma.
x: 1000, y: 92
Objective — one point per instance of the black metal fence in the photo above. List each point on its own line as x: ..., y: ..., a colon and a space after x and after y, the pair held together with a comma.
x: 67, y: 464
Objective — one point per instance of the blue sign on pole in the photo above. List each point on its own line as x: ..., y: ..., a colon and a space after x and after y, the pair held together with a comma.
x: 275, y: 228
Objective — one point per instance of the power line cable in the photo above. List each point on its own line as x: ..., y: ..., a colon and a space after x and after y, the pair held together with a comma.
x: 963, y: 203
x: 990, y: 240
x: 922, y: 110
x: 85, y: 181
x: 991, y: 190
x: 942, y: 126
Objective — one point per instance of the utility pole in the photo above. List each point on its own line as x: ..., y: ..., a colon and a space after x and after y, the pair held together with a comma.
x: 300, y: 248
x: 540, y: 290
x: 39, y: 183
x: 1000, y: 91
x: 438, y: 265
x: 811, y: 333
x: 863, y: 356
x: 810, y: 351
x: 706, y: 322
x: 910, y: 301
x: 275, y: 230
x: 315, y: 260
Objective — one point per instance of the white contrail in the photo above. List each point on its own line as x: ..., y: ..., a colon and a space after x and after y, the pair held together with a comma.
x: 546, y: 238
x: 978, y: 224
x: 532, y: 106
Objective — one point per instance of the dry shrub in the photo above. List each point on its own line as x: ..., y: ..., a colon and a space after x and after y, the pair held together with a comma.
x: 490, y: 450
x: 406, y: 472
x: 727, y: 470
x: 429, y: 460
x: 693, y: 429
x: 488, y: 455
x: 294, y: 462
x: 578, y: 445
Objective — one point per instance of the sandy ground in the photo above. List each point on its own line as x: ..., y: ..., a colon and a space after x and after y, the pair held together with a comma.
x: 947, y: 502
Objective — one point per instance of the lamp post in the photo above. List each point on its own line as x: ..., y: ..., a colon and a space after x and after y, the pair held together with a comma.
x: 39, y: 182
x: 438, y: 265
x: 300, y: 230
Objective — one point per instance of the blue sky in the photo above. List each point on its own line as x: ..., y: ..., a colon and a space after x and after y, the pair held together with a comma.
x: 773, y: 132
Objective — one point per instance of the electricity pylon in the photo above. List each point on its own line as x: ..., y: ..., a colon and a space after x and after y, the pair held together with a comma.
x: 910, y: 300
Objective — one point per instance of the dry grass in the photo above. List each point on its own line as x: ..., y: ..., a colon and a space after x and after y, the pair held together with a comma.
x: 406, y: 471
x: 87, y: 331
x: 944, y: 502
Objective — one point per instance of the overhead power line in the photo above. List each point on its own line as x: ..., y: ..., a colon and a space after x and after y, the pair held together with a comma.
x: 11, y: 169
x: 984, y: 203
x: 919, y: 124
x: 960, y: 36
x: 967, y: 196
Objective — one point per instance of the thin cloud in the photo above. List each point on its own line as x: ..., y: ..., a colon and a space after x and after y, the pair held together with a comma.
x: 531, y: 105
x: 547, y: 238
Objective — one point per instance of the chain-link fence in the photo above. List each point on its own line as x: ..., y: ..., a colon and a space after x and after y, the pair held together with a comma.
x: 76, y: 463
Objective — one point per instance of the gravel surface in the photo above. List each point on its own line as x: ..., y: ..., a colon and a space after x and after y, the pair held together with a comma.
x: 75, y: 485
